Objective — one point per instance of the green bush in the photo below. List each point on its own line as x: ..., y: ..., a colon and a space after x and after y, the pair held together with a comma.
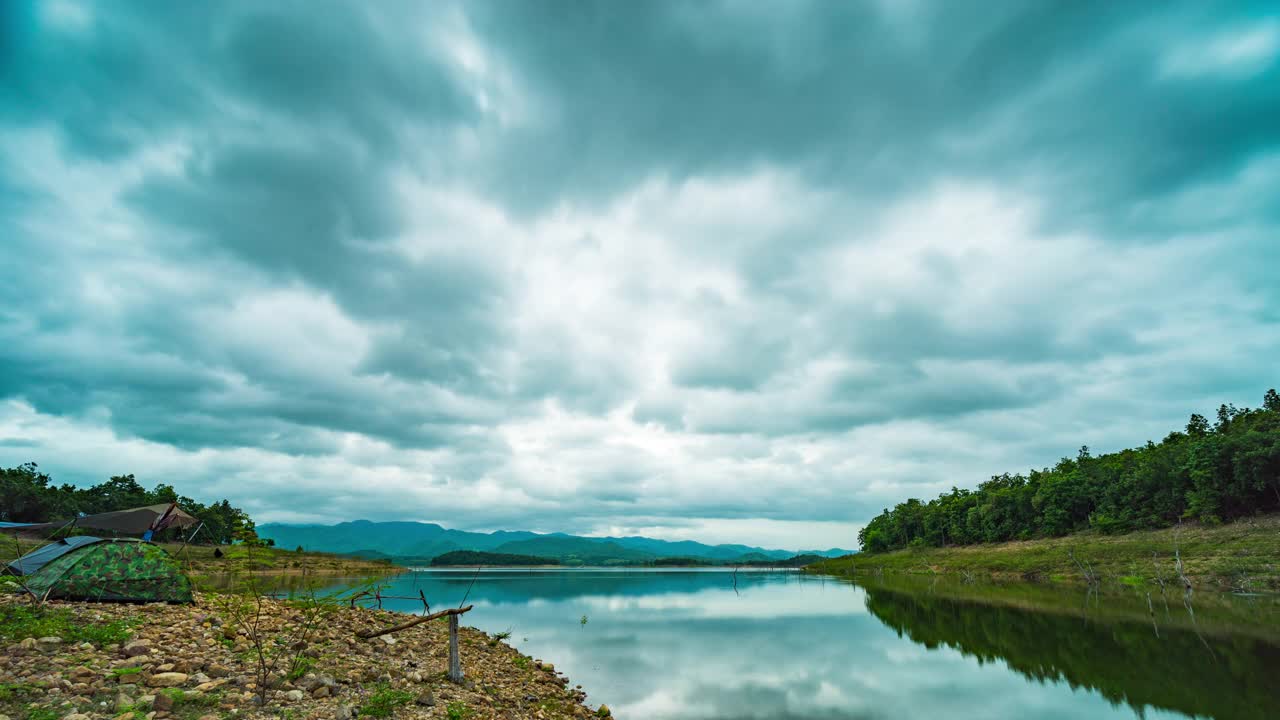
x: 457, y: 711
x: 383, y: 701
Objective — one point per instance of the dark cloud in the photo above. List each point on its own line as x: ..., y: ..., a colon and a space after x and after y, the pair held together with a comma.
x: 651, y: 261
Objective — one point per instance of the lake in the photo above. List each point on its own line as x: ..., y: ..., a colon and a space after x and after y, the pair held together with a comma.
x: 772, y: 645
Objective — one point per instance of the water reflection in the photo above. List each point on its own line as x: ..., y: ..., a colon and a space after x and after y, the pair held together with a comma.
x: 688, y: 645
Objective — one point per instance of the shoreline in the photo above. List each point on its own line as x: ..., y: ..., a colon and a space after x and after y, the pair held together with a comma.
x: 1239, y: 557
x: 200, y: 662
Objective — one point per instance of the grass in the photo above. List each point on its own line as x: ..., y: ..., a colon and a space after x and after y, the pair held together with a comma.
x: 1242, y: 556
x: 522, y: 662
x: 457, y: 711
x: 122, y: 671
x: 383, y: 701
x: 23, y: 621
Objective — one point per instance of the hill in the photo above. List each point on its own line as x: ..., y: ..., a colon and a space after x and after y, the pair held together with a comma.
x: 1211, y: 473
x: 419, y: 542
x: 474, y: 558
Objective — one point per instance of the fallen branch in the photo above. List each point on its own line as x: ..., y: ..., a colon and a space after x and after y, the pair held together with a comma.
x: 366, y: 634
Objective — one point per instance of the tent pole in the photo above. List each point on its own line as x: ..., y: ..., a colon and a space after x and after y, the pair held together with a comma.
x: 188, y: 539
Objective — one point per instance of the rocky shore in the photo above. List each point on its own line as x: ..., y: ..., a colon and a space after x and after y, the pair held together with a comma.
x: 201, y: 662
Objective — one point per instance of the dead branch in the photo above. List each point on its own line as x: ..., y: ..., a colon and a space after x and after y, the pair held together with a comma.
x: 366, y: 634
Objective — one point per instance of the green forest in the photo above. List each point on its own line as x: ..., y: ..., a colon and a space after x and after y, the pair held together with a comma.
x: 29, y: 495
x: 476, y: 557
x: 1207, y: 472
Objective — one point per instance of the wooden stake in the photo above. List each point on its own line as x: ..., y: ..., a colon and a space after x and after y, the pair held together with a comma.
x: 455, y: 662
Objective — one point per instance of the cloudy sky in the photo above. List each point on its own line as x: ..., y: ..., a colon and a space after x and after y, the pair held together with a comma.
x: 730, y: 271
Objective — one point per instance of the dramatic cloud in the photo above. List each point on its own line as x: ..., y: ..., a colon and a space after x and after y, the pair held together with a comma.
x: 723, y: 271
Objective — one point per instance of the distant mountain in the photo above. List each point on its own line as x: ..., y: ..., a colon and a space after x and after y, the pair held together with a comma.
x: 417, y: 543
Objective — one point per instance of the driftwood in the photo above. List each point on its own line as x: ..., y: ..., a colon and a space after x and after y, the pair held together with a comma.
x: 366, y: 634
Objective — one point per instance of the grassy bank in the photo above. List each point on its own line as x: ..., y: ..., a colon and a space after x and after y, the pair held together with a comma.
x: 209, y: 562
x: 1243, y: 555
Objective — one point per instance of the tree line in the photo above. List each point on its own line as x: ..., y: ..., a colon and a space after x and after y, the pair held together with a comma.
x: 1208, y: 472
x: 29, y: 495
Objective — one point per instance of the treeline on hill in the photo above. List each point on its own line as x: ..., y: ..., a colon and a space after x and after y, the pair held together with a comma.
x: 1211, y: 473
x: 475, y: 557
x: 28, y: 495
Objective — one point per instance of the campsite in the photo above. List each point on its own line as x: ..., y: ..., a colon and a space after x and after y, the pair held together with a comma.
x: 126, y: 628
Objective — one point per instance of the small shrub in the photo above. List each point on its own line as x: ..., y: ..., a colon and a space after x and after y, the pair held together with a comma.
x: 457, y: 711
x: 522, y: 662
x: 301, y: 666
x: 383, y: 701
x: 122, y: 671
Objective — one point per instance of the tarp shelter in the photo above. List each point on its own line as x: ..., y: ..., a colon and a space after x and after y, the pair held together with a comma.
x: 113, y: 571
x: 136, y: 521
x: 37, y: 558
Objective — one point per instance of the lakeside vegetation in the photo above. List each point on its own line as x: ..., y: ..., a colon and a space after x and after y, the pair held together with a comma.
x: 28, y: 495
x: 1207, y: 473
x: 1242, y: 555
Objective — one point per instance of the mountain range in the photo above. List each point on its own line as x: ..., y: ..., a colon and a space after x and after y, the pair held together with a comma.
x: 418, y: 542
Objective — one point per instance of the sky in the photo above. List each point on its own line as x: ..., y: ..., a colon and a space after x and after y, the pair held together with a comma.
x: 726, y: 271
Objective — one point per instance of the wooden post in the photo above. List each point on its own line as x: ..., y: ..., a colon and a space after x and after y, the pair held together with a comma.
x: 455, y: 662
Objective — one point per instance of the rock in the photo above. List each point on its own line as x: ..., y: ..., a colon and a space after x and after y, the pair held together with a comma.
x: 167, y: 679
x: 389, y: 640
x: 210, y: 716
x: 130, y: 715
x: 426, y: 699
x: 137, y: 647
x: 165, y: 667
x: 320, y: 692
x: 343, y: 713
x: 123, y: 702
x: 51, y: 643
x: 163, y: 701
x: 217, y: 671
x: 76, y: 716
x: 205, y: 687
x: 294, y: 696
x: 28, y: 644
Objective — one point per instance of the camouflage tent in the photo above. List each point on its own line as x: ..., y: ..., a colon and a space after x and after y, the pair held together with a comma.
x: 113, y: 571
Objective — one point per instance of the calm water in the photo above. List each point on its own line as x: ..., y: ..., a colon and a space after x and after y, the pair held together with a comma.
x: 687, y: 644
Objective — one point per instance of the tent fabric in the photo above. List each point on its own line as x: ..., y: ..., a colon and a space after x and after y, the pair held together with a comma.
x: 134, y: 521
x: 39, y: 557
x: 113, y: 571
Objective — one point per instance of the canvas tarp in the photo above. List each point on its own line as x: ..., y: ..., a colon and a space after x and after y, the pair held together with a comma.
x: 113, y: 571
x: 134, y: 521
x: 37, y: 558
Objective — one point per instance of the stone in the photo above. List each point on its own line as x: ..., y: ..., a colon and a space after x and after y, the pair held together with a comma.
x: 217, y: 671
x: 50, y: 643
x: 343, y: 713
x: 76, y: 716
x: 294, y: 695
x: 426, y: 699
x: 137, y: 647
x: 163, y: 701
x: 389, y: 640
x: 167, y: 679
x: 165, y: 667
x: 122, y: 702
x: 205, y: 687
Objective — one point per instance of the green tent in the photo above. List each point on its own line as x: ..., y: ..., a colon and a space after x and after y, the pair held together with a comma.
x: 113, y: 571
